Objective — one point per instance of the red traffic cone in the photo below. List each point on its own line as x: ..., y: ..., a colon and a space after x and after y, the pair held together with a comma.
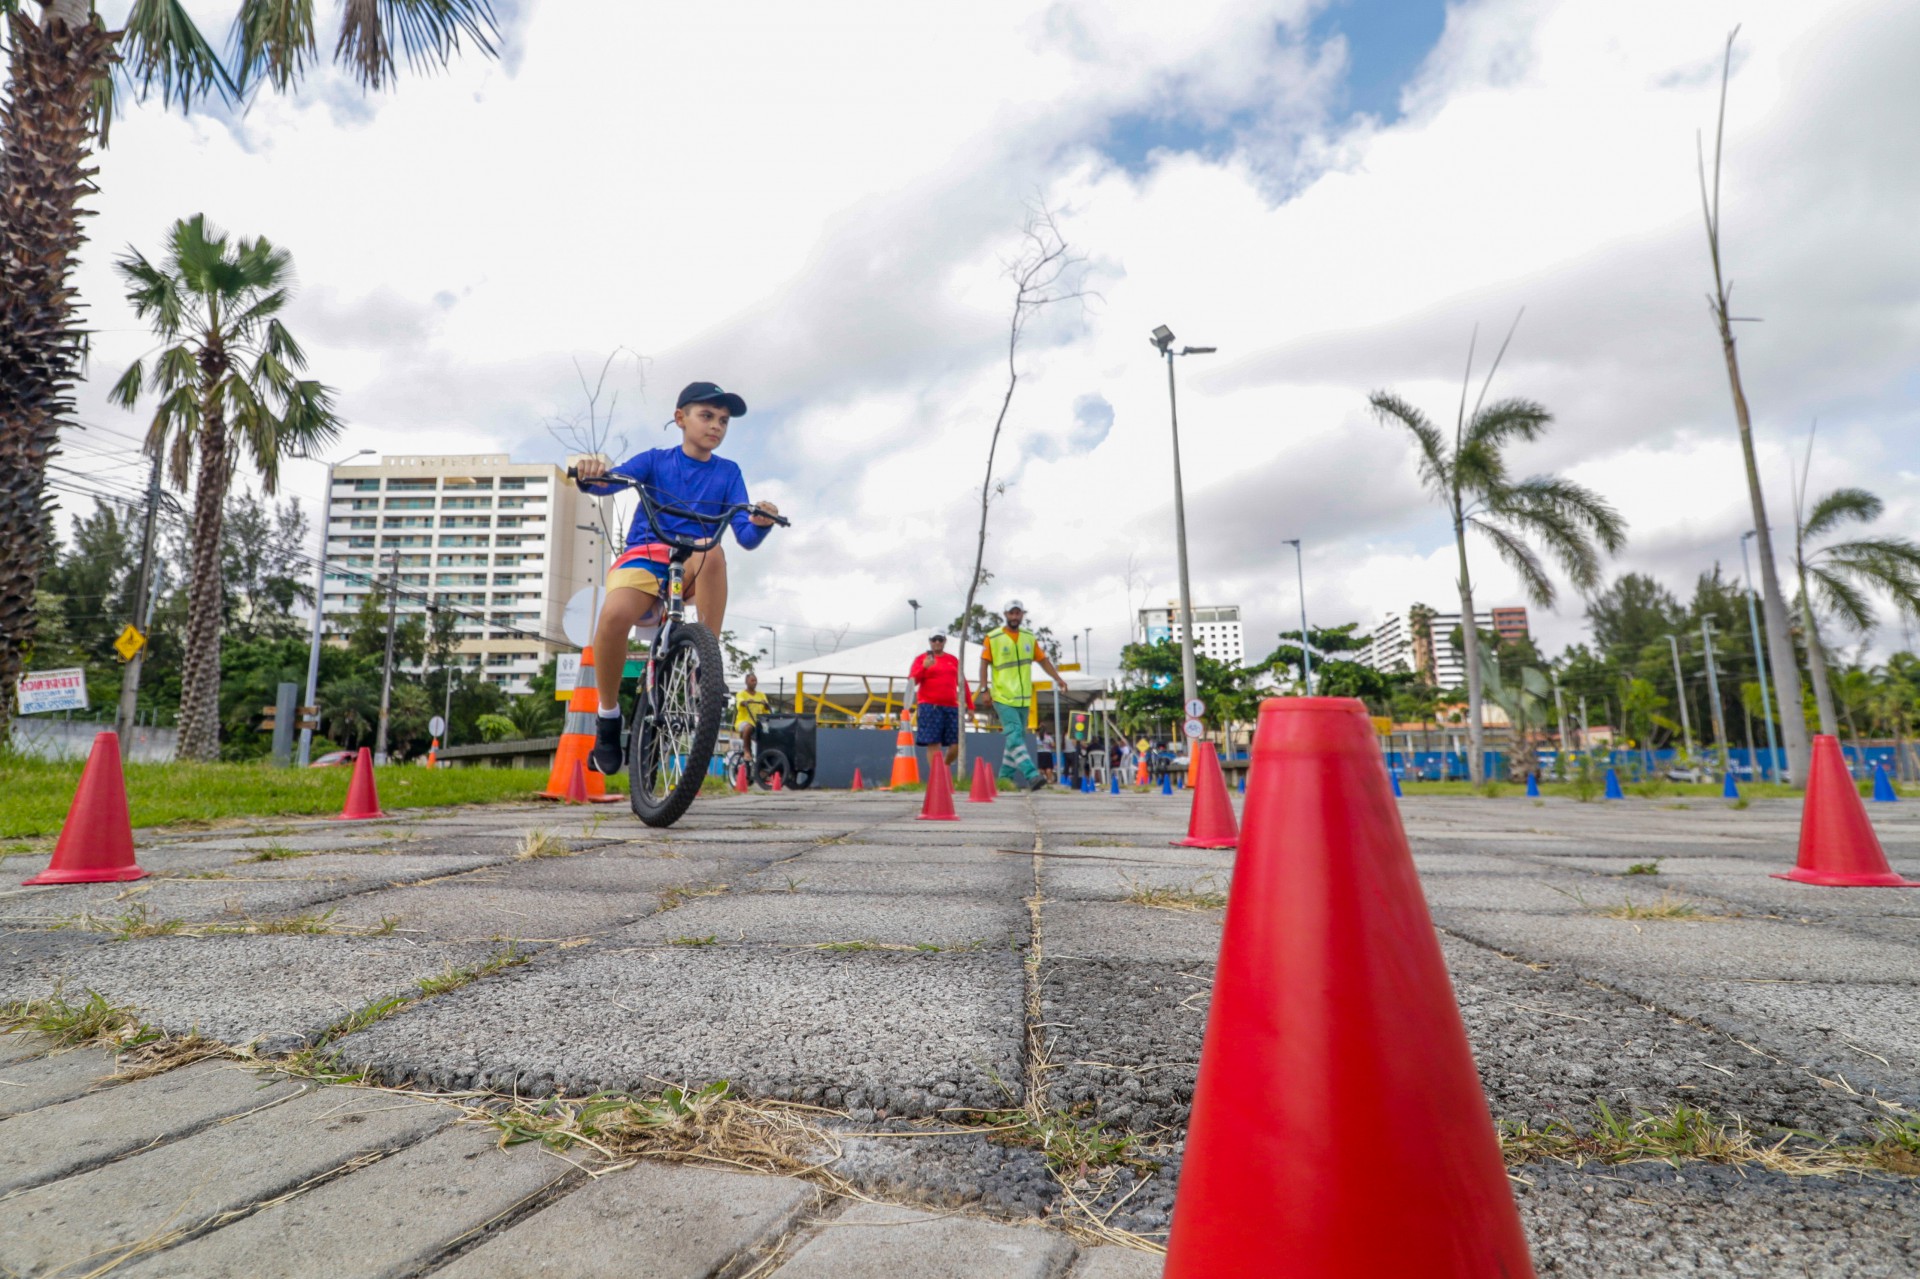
x: 856, y: 781
x: 740, y: 782
x: 577, y: 785
x: 1211, y: 824
x: 1838, y: 848
x: 985, y: 790
x: 777, y: 785
x: 96, y: 840
x: 363, y: 801
x: 938, y: 805
x: 1338, y: 1125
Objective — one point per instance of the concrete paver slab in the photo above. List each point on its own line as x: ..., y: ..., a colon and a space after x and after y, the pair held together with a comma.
x: 1118, y: 1263
x: 19, y: 1045
x: 370, y: 867
x: 686, y: 1222
x: 1124, y: 1037
x: 472, y: 911
x: 830, y: 918
x: 112, y: 1209
x: 879, y: 1241
x: 384, y: 1220
x: 155, y: 899
x: 45, y: 1080
x: 1123, y: 930
x: 903, y: 1032
x: 1003, y: 878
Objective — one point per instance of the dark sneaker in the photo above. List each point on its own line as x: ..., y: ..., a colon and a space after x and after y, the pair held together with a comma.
x: 607, y: 757
x: 1038, y: 783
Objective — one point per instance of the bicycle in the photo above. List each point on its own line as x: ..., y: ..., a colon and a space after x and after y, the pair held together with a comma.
x: 683, y: 688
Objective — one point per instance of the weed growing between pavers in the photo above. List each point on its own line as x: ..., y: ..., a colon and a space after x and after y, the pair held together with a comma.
x: 1668, y: 907
x: 94, y: 1023
x: 680, y: 894
x: 454, y: 978
x: 540, y: 843
x: 276, y: 853
x: 1073, y: 1143
x: 1644, y: 868
x: 1199, y: 895
x: 140, y: 921
x: 1685, y: 1134
x: 710, y: 939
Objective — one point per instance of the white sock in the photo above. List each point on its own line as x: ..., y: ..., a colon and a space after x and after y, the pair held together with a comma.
x: 609, y: 712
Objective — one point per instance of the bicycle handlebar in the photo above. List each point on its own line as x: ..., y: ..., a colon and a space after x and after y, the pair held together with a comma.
x: 655, y: 509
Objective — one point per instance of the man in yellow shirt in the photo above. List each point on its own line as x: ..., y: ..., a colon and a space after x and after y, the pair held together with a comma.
x: 748, y: 706
x: 1006, y: 669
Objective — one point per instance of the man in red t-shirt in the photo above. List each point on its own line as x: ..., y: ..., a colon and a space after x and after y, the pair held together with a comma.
x: 936, y: 682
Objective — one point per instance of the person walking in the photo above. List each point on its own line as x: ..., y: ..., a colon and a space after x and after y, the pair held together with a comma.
x: 936, y: 698
x: 1006, y: 672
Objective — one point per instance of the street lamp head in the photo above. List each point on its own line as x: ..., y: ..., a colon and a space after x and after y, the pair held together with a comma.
x: 1294, y: 542
x: 1749, y: 533
x: 1162, y: 338
x: 913, y: 603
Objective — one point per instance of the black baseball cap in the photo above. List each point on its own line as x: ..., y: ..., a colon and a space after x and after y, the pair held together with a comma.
x: 710, y: 393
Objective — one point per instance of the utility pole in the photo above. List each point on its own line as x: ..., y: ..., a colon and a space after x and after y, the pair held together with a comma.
x: 386, y: 678
x: 1306, y: 648
x: 319, y: 604
x: 1713, y: 689
x: 446, y: 738
x: 124, y: 719
x: 1680, y: 689
x: 1760, y: 661
x: 1560, y: 715
x: 1189, y: 680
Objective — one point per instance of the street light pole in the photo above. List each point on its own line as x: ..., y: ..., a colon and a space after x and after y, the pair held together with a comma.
x: 1189, y: 682
x: 386, y: 678
x: 1759, y: 659
x: 915, y: 606
x: 1680, y: 687
x: 776, y: 643
x: 319, y: 606
x: 127, y: 715
x: 1306, y: 649
x: 1713, y: 691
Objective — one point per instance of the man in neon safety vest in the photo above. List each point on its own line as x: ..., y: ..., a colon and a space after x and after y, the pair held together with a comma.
x: 1006, y: 671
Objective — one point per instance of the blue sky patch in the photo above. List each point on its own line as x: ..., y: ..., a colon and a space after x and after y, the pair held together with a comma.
x: 1386, y: 42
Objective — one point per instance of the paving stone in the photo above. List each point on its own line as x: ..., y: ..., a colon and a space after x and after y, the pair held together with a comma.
x: 880, y: 1241
x: 686, y: 1222
x: 1113, y: 879
x: 1118, y: 1263
x: 1123, y: 930
x: 369, y: 867
x: 44, y: 1080
x: 945, y: 922
x: 1124, y: 1037
x: 60, y: 1139
x: 192, y: 900
x: 19, y: 1045
x: 277, y: 990
x: 468, y: 911
x: 900, y: 1031
x: 1009, y: 878
x: 383, y: 1220
x: 97, y: 1214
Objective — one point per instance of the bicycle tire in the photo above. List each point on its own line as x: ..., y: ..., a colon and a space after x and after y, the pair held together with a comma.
x: 773, y: 761
x: 673, y: 745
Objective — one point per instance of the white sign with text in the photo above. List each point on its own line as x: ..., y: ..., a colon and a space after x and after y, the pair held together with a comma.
x: 63, y: 690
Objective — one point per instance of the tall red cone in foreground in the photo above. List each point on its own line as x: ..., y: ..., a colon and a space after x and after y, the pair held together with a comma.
x: 985, y: 789
x: 1838, y: 848
x: 938, y: 805
x: 1211, y: 823
x: 1338, y: 1126
x: 96, y: 840
x: 363, y: 801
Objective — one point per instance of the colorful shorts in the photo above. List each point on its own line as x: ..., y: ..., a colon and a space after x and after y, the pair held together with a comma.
x: 641, y: 568
x: 936, y: 725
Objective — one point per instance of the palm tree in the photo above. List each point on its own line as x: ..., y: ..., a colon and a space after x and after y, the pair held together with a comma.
x: 1469, y: 478
x: 226, y: 381
x: 1835, y: 578
x: 59, y: 100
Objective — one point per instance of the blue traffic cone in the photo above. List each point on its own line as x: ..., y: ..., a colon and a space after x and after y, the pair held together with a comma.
x: 1883, y: 786
x: 1613, y: 786
x: 1113, y: 783
x: 1533, y: 786
x: 1166, y: 783
x: 1243, y: 780
x: 1730, y: 789
x: 1396, y: 785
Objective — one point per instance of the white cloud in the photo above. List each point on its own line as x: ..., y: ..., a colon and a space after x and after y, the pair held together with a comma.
x: 810, y: 204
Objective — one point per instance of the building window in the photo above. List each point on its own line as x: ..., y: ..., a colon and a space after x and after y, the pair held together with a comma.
x: 466, y: 521
x: 358, y: 486
x: 411, y: 486
x: 467, y: 482
x: 466, y: 503
x: 363, y: 521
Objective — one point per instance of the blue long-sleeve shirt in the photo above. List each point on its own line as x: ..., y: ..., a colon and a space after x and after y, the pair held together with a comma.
x: 675, y: 479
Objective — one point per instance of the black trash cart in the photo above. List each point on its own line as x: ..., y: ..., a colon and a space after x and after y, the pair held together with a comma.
x: 785, y: 745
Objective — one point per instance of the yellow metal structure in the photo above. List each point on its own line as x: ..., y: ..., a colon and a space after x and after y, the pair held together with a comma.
x: 881, y: 700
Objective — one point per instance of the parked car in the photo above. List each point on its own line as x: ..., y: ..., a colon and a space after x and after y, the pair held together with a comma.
x: 335, y: 759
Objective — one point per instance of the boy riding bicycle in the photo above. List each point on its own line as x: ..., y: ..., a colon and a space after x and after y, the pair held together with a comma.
x: 691, y: 477
x: 748, y: 706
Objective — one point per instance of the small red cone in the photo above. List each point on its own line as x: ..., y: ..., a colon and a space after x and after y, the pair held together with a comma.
x: 776, y: 781
x: 1838, y: 848
x: 856, y: 781
x: 985, y: 790
x: 1338, y: 1126
x: 938, y: 805
x: 740, y: 783
x: 363, y: 801
x: 1211, y: 824
x: 96, y: 840
x: 577, y: 785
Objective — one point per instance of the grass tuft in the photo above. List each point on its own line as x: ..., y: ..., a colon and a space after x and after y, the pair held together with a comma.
x: 680, y: 894
x: 1199, y: 895
x: 93, y: 1023
x: 1685, y: 1134
x: 1071, y: 1142
x: 678, y: 1124
x: 540, y: 843
x: 1645, y: 868
x: 711, y: 939
x: 452, y: 978
x: 1668, y: 907
x: 276, y: 853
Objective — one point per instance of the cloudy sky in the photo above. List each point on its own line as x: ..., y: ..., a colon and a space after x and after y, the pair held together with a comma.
x: 813, y: 204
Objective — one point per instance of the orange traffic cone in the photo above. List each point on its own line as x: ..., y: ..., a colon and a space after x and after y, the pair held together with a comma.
x: 96, y: 840
x: 577, y: 784
x: 906, y: 769
x: 363, y: 801
x: 856, y: 781
x: 938, y: 805
x: 1140, y: 775
x: 1211, y: 823
x: 1338, y: 1125
x: 576, y: 740
x: 1838, y: 848
x: 985, y: 789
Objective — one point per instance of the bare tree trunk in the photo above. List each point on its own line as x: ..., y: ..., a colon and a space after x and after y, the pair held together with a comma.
x: 1786, y: 672
x: 1817, y: 665
x: 200, y: 655
x: 1470, y: 638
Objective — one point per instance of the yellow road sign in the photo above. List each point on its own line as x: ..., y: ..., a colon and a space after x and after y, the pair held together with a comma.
x: 131, y: 641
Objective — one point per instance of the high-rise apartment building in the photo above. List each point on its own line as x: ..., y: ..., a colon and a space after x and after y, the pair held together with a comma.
x: 492, y: 540
x: 1398, y: 643
x: 1216, y: 629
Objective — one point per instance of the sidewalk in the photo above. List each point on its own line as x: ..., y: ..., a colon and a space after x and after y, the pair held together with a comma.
x: 964, y: 1049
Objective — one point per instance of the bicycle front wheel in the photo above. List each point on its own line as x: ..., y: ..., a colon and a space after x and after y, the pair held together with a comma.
x: 674, y: 729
